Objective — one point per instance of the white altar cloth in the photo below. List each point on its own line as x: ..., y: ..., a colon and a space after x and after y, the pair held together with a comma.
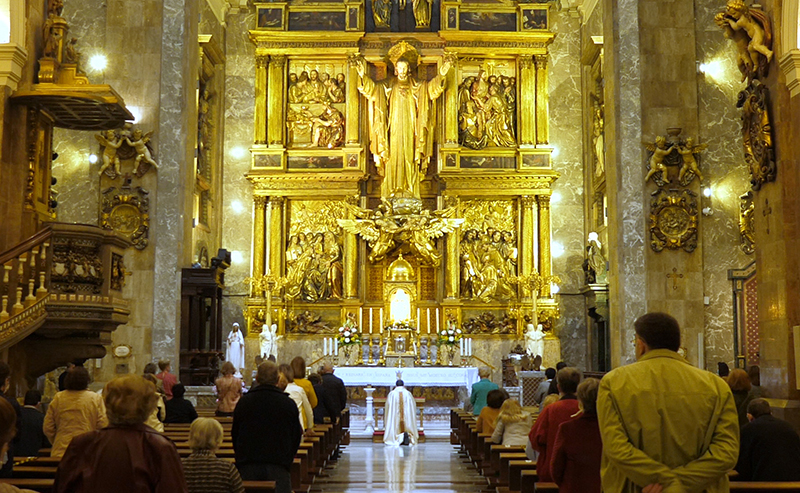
x: 354, y: 376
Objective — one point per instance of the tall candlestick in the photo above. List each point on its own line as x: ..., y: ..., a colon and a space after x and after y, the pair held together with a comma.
x: 370, y: 321
x: 324, y: 346
x: 429, y: 320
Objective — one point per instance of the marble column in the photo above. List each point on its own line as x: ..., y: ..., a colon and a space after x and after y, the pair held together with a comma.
x: 262, y: 66
x: 276, y: 97
x: 177, y: 129
x: 542, y: 101
x: 545, y: 263
x: 259, y: 232
x: 527, y: 114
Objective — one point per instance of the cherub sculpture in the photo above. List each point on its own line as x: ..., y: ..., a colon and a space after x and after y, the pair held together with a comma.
x: 660, y: 151
x: 753, y: 24
x: 690, y: 167
x: 139, y: 143
x: 110, y: 143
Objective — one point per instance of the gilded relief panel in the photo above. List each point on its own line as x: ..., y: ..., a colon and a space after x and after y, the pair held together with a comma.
x: 315, y: 112
x: 487, y: 104
x: 489, y: 250
x: 314, y: 251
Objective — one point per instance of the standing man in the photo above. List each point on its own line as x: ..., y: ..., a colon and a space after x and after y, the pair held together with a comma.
x: 168, y: 379
x: 666, y: 425
x: 770, y: 449
x: 32, y: 426
x: 266, y: 431
x: 335, y: 388
x: 481, y: 389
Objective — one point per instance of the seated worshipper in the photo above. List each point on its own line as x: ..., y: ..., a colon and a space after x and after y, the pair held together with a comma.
x: 8, y: 422
x: 400, y: 415
x: 754, y: 372
x: 168, y: 380
x: 127, y: 456
x: 481, y: 389
x: 326, y: 408
x: 179, y: 410
x: 150, y: 369
x: 73, y: 412
x: 205, y: 473
x: 488, y: 415
x: 156, y: 418
x: 298, y: 395
x: 31, y: 429
x: 578, y: 450
x: 298, y: 365
x: 543, y: 433
x: 544, y: 387
x: 553, y: 389
x: 512, y: 425
x: 5, y: 384
x: 739, y: 383
x: 229, y: 390
x: 770, y: 447
x: 266, y: 431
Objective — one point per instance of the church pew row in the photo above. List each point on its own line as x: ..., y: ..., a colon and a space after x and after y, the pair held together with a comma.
x: 45, y: 485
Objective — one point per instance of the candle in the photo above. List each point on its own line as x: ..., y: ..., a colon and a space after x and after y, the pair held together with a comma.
x: 437, y: 320
x: 429, y: 320
x: 336, y: 347
x: 324, y: 346
x: 417, y: 319
x: 461, y: 346
x: 469, y: 342
x: 370, y: 320
x: 381, y: 320
x: 361, y: 317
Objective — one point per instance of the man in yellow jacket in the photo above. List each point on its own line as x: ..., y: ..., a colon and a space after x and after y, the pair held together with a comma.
x: 666, y: 425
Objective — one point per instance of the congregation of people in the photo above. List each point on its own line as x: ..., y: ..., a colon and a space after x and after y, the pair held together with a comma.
x: 657, y: 425
x: 114, y: 439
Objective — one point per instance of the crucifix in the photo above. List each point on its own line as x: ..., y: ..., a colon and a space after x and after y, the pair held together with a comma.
x: 674, y: 276
x: 767, y: 212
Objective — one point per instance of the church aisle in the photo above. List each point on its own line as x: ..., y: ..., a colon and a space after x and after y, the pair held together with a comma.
x: 374, y: 467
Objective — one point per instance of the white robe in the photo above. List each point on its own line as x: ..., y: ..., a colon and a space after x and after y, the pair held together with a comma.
x: 300, y: 398
x: 401, y: 416
x: 235, y: 352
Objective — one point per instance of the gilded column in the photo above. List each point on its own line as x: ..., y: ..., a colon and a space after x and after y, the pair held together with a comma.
x: 259, y: 229
x: 542, y: 101
x: 275, y: 235
x: 527, y: 106
x: 276, y: 98
x: 545, y: 263
x: 528, y: 204
x: 453, y: 264
x: 350, y: 264
x: 262, y: 64
x: 451, y: 107
x: 351, y: 123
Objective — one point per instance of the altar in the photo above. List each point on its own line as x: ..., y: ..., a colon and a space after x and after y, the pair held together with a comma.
x: 381, y: 376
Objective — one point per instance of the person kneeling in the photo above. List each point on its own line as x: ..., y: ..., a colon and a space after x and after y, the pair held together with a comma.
x: 401, y: 417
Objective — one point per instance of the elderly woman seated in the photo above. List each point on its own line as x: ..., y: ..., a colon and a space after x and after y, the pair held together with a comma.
x: 204, y: 471
x: 127, y: 456
x: 8, y: 428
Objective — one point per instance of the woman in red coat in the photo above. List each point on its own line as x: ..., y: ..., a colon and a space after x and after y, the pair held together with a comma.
x: 575, y: 463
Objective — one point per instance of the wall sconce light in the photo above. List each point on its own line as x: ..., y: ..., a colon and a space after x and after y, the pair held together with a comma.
x: 707, y: 201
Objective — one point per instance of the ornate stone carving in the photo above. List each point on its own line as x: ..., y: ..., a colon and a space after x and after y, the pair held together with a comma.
x: 118, y: 272
x: 488, y: 323
x: 751, y: 30
x: 673, y: 220
x: 126, y: 212
x: 307, y: 323
x: 673, y: 159
x: 487, y: 108
x: 125, y: 144
x: 747, y: 226
x: 76, y: 266
x: 757, y: 134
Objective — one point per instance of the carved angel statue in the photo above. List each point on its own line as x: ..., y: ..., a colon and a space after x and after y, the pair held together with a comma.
x: 690, y: 167
x: 381, y: 12
x: 140, y: 144
x: 110, y: 143
x: 660, y: 151
x: 743, y: 24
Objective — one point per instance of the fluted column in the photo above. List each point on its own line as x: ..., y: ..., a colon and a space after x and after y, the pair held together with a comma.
x: 527, y: 101
x: 275, y: 211
x: 451, y: 107
x: 545, y: 263
x: 527, y: 235
x: 453, y: 260
x: 351, y: 124
x: 542, y: 101
x: 275, y: 105
x: 259, y: 229
x: 350, y: 264
x: 260, y: 134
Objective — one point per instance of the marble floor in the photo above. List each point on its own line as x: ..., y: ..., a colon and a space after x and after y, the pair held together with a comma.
x: 373, y: 467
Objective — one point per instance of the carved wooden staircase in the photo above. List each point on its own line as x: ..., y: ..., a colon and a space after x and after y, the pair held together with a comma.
x: 61, y: 297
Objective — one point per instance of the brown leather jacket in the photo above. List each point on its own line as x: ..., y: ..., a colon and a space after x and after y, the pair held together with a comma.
x: 121, y: 459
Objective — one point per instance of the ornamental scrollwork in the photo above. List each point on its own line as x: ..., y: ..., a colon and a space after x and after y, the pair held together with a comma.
x: 673, y: 220
x: 757, y: 134
x: 126, y: 211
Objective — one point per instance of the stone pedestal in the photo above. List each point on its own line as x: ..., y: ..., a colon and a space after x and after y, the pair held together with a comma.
x: 369, y: 419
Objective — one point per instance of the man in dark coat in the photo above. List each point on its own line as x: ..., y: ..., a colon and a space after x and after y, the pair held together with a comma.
x: 31, y: 431
x: 266, y: 431
x: 326, y: 408
x: 769, y: 447
x: 335, y: 387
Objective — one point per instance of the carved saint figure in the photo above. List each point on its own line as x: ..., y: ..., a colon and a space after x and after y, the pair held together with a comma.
x: 402, y: 122
x: 598, y: 139
x: 690, y: 166
x: 534, y: 340
x: 328, y: 128
x: 754, y: 23
x: 268, y: 340
x: 71, y: 54
x: 488, y: 264
x: 422, y: 12
x: 110, y: 143
x: 381, y: 12
x: 660, y: 151
x: 597, y: 262
x: 235, y: 353
x: 487, y: 106
x: 52, y: 37
x: 139, y: 144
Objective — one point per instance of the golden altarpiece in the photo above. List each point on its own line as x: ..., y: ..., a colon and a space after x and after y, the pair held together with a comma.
x: 372, y: 144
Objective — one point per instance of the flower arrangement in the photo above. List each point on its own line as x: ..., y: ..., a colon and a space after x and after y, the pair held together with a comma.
x: 450, y: 335
x: 348, y: 334
x: 399, y: 326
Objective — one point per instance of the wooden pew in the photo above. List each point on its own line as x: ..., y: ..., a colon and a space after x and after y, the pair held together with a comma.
x: 763, y: 486
x: 527, y: 481
x: 45, y: 485
x: 505, y: 459
x: 515, y: 470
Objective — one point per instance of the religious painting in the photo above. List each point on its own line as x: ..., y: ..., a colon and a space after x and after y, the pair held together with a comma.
x: 314, y: 251
x: 536, y: 161
x: 488, y: 162
x: 352, y: 18
x: 533, y: 19
x: 452, y: 18
x: 315, y: 162
x: 266, y: 161
x: 487, y: 107
x: 270, y: 18
x: 489, y: 250
x: 488, y: 21
x: 317, y: 21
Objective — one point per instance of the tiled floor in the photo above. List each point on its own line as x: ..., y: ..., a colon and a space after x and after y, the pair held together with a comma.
x: 373, y: 467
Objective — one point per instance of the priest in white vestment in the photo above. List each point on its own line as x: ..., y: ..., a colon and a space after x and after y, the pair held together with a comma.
x: 401, y: 417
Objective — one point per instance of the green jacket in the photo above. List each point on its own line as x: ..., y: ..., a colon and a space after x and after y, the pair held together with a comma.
x: 480, y: 390
x: 664, y: 421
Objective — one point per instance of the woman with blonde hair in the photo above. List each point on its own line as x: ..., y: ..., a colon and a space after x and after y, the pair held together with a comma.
x: 127, y: 456
x: 156, y: 418
x: 512, y: 425
x: 229, y: 390
x: 73, y: 411
x: 205, y: 473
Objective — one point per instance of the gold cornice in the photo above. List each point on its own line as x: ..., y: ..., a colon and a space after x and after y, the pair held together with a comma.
x: 479, y: 184
x: 500, y: 43
x: 304, y: 42
x: 307, y: 184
